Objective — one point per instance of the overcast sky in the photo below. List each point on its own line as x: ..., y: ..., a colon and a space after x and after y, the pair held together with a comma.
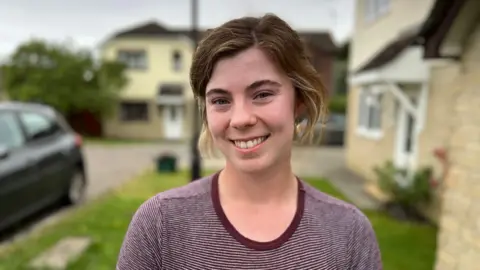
x: 87, y: 22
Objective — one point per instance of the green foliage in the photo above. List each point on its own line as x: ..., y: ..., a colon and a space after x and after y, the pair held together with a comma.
x: 340, y: 77
x: 338, y: 104
x: 403, y: 188
x: 64, y: 77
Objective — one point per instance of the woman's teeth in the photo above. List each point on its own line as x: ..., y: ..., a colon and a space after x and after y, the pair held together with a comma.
x: 250, y: 143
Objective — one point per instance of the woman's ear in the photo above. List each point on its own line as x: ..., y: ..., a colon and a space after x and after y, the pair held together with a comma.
x: 300, y: 109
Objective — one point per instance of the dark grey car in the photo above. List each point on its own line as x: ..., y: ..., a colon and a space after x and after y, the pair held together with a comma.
x: 330, y: 133
x: 41, y: 161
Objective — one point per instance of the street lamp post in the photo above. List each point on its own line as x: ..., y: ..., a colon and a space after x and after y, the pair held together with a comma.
x: 195, y: 154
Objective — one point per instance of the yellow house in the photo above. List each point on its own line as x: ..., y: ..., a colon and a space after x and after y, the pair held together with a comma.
x: 157, y: 103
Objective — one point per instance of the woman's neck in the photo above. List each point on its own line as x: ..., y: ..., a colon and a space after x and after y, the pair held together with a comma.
x: 268, y: 186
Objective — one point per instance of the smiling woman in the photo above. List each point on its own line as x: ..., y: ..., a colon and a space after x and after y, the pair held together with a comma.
x: 254, y: 82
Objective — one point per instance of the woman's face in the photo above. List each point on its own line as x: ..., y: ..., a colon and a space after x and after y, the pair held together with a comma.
x: 250, y: 108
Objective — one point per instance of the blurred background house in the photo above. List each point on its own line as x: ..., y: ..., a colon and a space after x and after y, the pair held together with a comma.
x: 413, y: 100
x: 388, y: 99
x: 157, y: 102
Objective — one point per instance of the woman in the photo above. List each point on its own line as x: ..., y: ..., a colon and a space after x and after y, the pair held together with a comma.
x: 252, y: 79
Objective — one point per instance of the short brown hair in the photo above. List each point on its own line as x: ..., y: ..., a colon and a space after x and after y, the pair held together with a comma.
x: 280, y: 43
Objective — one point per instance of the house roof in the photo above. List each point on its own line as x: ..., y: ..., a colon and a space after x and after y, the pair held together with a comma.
x: 150, y: 28
x: 319, y: 40
x: 438, y: 23
x: 433, y: 30
x: 391, y: 50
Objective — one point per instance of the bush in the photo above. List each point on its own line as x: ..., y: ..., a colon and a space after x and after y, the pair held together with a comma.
x: 338, y: 104
x: 404, y: 189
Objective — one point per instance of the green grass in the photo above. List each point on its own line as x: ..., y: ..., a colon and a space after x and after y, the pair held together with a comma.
x: 403, y: 245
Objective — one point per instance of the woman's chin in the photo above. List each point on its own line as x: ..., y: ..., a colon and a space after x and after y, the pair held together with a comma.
x: 253, y: 165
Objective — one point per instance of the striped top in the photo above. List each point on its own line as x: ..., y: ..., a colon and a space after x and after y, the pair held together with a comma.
x: 185, y: 229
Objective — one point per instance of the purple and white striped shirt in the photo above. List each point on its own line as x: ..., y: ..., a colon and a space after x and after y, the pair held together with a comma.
x: 186, y: 229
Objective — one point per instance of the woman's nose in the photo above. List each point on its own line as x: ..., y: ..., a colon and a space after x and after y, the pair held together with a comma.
x: 242, y: 116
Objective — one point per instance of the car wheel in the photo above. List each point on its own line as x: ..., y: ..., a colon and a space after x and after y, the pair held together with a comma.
x: 77, y: 188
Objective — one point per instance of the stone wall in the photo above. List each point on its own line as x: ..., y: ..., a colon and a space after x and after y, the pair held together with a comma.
x: 459, y: 236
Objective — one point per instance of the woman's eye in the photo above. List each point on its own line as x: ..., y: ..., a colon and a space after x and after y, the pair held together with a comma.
x: 219, y: 101
x: 263, y: 95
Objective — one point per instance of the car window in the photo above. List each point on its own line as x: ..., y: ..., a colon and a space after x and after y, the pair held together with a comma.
x: 337, y: 119
x: 11, y: 135
x: 37, y: 125
x: 63, y: 123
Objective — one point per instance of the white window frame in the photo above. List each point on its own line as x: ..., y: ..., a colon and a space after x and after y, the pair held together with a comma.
x: 374, y: 9
x: 370, y: 113
x: 177, y: 61
x: 134, y: 59
x: 383, y: 6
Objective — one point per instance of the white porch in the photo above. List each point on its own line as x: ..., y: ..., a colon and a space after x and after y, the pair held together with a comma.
x: 406, y: 79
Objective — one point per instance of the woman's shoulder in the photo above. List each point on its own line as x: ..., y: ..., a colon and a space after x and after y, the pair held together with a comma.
x: 175, y: 198
x: 321, y: 202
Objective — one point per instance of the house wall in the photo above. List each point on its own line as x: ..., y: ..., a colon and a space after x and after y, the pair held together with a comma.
x: 444, y: 86
x: 459, y: 236
x: 371, y: 36
x: 363, y: 153
x: 143, y: 85
x: 152, y: 129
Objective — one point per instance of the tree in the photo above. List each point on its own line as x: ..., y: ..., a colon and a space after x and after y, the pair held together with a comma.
x: 67, y: 78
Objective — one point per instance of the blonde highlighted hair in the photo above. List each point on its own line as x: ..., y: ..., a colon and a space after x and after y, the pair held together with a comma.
x: 284, y: 48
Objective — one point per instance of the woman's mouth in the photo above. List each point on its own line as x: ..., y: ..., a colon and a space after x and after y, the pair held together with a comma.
x: 251, y: 143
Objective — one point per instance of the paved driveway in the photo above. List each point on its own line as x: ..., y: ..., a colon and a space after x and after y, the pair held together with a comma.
x: 112, y: 165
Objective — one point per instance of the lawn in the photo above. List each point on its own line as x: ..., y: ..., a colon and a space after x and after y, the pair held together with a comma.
x: 403, y: 245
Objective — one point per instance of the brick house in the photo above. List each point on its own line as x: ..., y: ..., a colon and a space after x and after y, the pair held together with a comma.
x: 395, y: 112
x: 413, y: 90
x: 451, y: 40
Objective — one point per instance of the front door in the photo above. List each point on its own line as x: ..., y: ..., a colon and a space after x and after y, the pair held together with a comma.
x: 172, y: 121
x: 405, y: 138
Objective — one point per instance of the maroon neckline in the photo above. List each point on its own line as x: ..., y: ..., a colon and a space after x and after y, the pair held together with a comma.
x: 249, y: 243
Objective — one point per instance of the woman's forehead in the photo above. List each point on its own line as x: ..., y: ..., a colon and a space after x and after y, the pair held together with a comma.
x: 244, y: 70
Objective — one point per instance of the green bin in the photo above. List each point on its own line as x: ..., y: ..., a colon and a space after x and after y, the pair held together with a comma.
x: 167, y: 163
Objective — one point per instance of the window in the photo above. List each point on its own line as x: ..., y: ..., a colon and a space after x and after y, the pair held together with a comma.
x: 177, y: 61
x: 10, y: 131
x: 374, y: 9
x: 38, y: 126
x: 370, y: 113
x: 134, y: 111
x: 134, y: 59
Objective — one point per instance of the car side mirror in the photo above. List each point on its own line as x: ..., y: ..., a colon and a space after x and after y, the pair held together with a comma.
x: 4, y: 152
